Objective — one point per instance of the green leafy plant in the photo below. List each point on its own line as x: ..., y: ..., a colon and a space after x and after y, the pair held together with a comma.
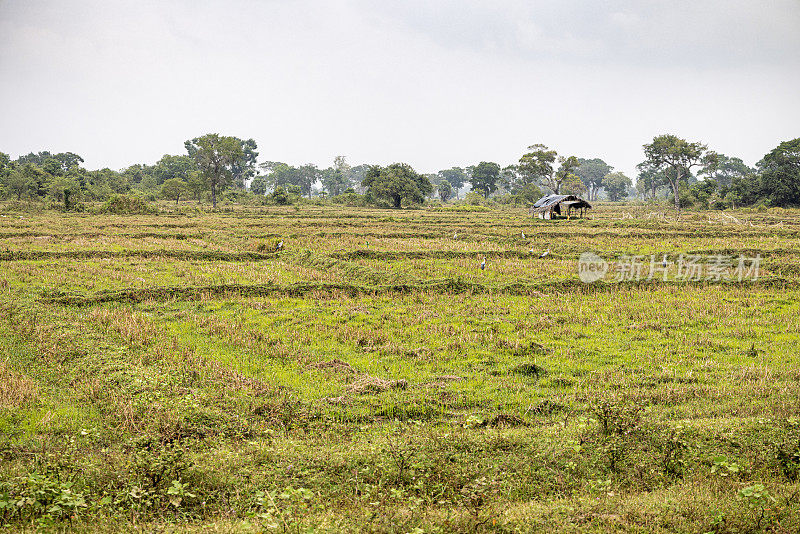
x: 724, y: 467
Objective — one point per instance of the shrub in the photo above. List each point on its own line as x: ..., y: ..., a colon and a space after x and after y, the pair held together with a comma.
x: 128, y: 205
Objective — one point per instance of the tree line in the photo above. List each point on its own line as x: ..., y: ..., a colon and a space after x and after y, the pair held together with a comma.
x: 686, y: 173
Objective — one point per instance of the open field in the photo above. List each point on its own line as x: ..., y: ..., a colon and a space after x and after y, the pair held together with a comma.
x: 176, y: 371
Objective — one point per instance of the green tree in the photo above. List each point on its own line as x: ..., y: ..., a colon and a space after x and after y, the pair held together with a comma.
x: 305, y: 177
x: 616, y: 185
x: 357, y: 175
x: 780, y: 174
x: 649, y: 180
x: 724, y: 169
x: 337, y: 179
x: 455, y: 176
x: 173, y: 167
x: 537, y: 166
x: 573, y: 185
x: 258, y: 186
x: 483, y: 177
x: 528, y: 194
x: 215, y: 156
x: 5, y: 164
x: 563, y: 174
x: 197, y: 184
x: 174, y: 188
x: 395, y: 183
x: 242, y: 167
x: 16, y: 183
x: 701, y: 193
x: 444, y: 190
x: 677, y: 156
x: 334, y: 181
x: 39, y: 181
x: 66, y: 189
x: 591, y: 172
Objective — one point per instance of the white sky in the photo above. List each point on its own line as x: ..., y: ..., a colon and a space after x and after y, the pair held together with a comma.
x: 433, y: 83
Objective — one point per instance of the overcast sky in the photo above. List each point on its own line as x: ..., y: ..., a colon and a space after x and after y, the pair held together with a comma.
x: 433, y: 83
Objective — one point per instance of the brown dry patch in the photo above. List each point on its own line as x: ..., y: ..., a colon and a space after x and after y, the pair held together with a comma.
x: 135, y: 328
x: 15, y: 389
x: 366, y: 384
x: 338, y: 401
x: 213, y: 371
x: 334, y: 365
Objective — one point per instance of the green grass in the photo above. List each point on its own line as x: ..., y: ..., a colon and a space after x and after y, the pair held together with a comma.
x: 371, y: 378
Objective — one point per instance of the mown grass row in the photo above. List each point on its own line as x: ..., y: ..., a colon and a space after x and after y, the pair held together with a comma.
x: 207, y: 255
x: 451, y: 286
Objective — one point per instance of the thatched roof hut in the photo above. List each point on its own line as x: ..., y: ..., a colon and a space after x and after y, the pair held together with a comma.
x: 548, y: 205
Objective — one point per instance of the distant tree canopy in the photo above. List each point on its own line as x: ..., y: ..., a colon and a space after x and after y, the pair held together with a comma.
x: 214, y: 162
x: 617, y: 186
x: 169, y: 167
x: 444, y: 190
x: 455, y: 176
x: 724, y: 169
x: 780, y: 174
x: 591, y: 172
x: 573, y: 185
x: 174, y: 188
x: 396, y: 183
x: 676, y: 156
x: 483, y: 177
x: 215, y: 156
x: 650, y: 179
x: 537, y: 165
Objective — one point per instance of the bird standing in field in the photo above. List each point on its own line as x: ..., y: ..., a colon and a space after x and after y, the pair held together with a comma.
x: 455, y: 235
x: 280, y: 245
x: 483, y: 264
x: 523, y: 234
x: 545, y: 253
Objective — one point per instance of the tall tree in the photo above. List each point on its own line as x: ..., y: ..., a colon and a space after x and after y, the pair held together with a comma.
x: 16, y: 183
x: 563, y: 174
x: 197, y: 184
x: 215, y: 156
x: 173, y: 167
x: 483, y: 177
x: 677, y: 156
x: 396, y: 183
x: 334, y: 182
x: 591, y: 173
x: 780, y: 174
x: 724, y: 169
x: 258, y: 186
x: 649, y: 180
x: 573, y: 185
x: 537, y: 165
x: 456, y: 176
x: 511, y: 179
x: 617, y: 186
x: 444, y: 190
x: 305, y: 177
x: 243, y: 167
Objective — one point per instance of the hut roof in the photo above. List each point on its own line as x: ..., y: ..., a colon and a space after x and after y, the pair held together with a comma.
x: 547, y: 202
